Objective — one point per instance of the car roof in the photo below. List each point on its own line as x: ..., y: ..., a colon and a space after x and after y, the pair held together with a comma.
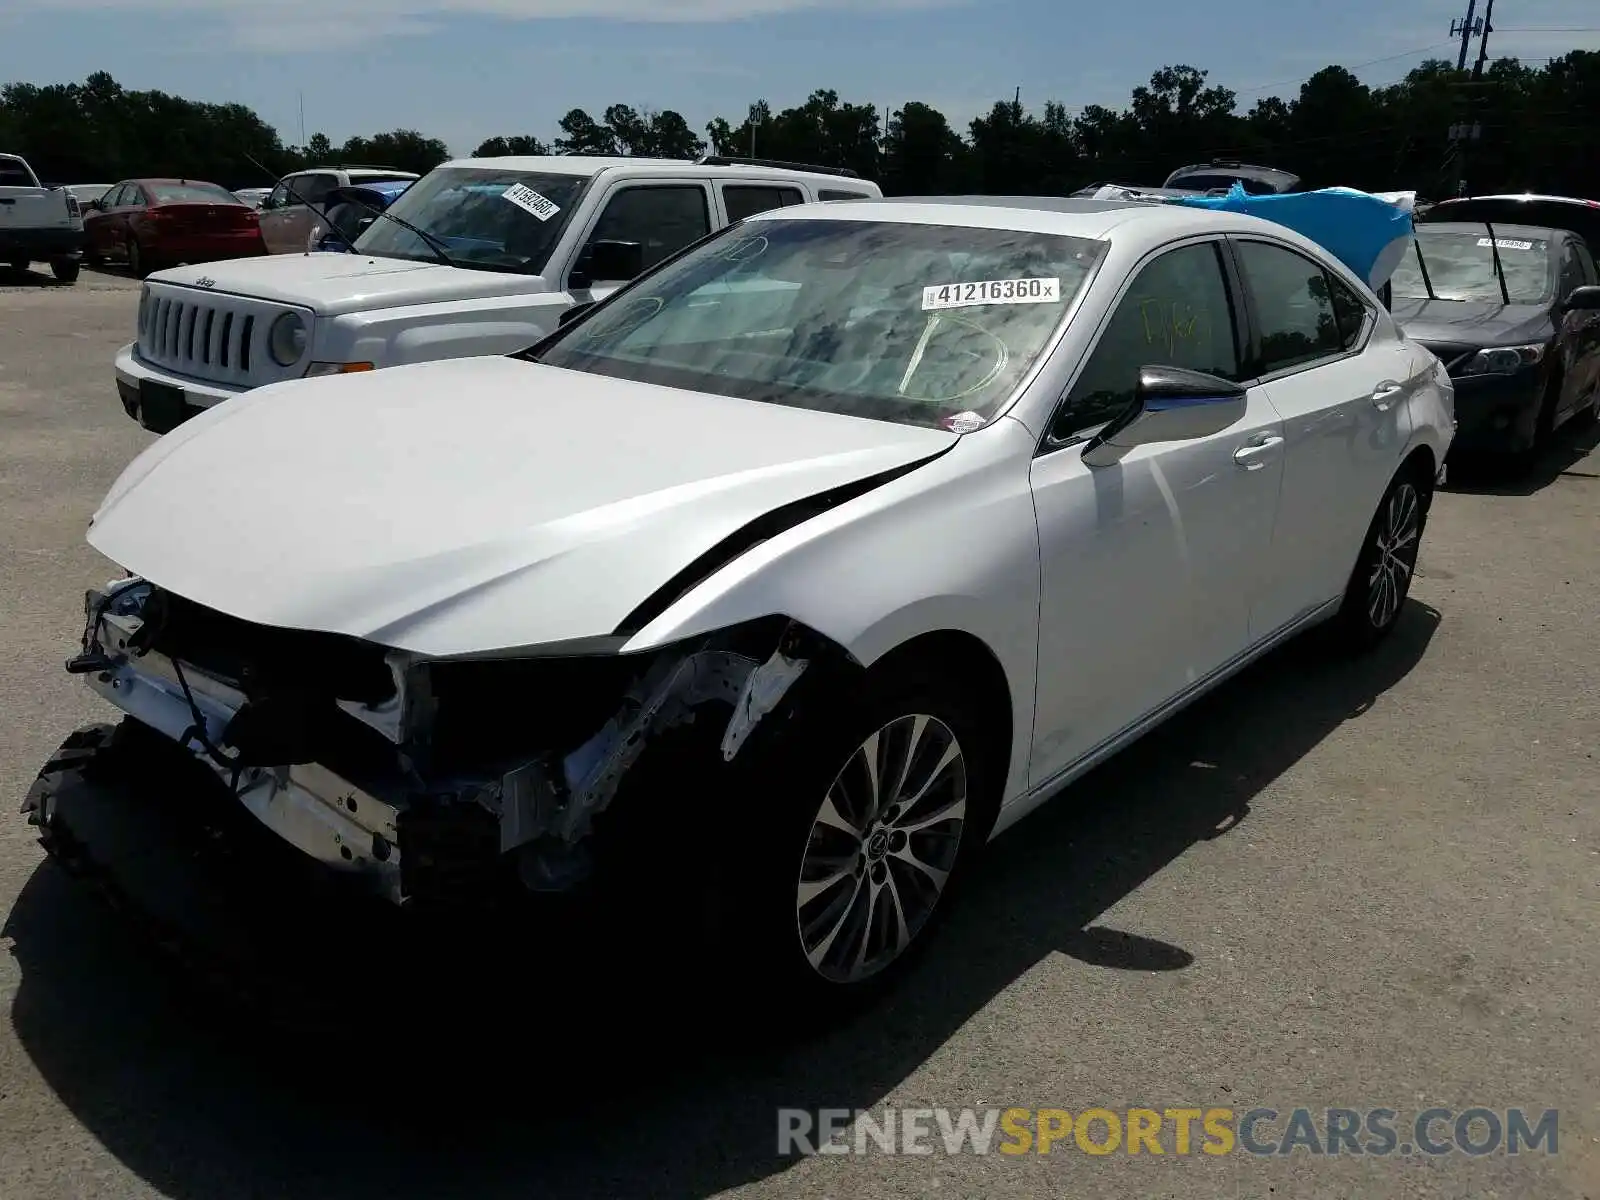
x: 582, y: 164
x: 159, y: 179
x: 1522, y: 196
x: 1062, y: 215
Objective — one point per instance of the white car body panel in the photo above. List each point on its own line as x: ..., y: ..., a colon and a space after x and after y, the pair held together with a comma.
x: 485, y: 506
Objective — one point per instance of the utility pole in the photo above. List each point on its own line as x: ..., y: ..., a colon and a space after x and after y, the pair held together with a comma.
x: 1466, y: 29
x: 300, y: 100
x: 1483, y: 40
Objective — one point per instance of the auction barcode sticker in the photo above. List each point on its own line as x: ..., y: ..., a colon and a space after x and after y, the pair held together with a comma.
x: 1507, y: 243
x: 992, y: 291
x: 529, y: 200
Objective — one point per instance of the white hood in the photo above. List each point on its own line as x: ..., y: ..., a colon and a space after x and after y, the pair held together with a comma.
x: 330, y: 284
x: 468, y: 506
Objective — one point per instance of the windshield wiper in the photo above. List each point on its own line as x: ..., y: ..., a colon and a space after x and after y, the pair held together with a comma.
x: 1422, y: 265
x: 426, y: 239
x: 1499, y: 268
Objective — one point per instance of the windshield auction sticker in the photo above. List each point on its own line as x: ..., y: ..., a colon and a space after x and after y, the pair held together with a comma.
x: 1506, y: 244
x: 992, y: 291
x: 529, y: 200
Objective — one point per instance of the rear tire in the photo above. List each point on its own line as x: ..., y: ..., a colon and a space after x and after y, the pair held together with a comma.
x: 1381, y: 581
x: 20, y: 265
x: 137, y: 267
x: 65, y: 270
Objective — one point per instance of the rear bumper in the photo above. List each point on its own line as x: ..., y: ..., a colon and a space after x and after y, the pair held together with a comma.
x: 41, y: 244
x: 1497, y: 414
x: 206, y: 247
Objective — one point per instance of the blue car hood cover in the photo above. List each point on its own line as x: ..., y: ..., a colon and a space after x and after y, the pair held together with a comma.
x: 1367, y: 233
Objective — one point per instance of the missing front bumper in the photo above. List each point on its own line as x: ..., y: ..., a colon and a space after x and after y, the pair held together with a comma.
x: 412, y: 829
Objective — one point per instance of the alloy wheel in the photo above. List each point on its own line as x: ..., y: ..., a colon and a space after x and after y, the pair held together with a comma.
x: 881, y: 848
x: 1395, y: 546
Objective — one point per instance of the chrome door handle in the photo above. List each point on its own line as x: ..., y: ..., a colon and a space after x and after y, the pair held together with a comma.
x: 1384, y: 394
x: 1254, y: 456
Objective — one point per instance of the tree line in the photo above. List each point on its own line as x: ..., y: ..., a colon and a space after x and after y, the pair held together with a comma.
x: 1514, y: 127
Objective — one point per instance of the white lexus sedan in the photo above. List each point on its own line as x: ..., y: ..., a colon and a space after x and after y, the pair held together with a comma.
x: 797, y: 570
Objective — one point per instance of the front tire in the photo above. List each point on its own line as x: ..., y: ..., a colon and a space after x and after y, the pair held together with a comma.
x: 870, y: 819
x: 1381, y: 581
x: 65, y: 270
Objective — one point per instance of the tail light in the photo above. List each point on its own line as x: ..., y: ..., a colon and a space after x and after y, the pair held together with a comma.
x: 74, y: 209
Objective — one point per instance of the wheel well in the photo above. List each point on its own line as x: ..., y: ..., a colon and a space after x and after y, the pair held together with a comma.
x: 968, y: 663
x: 1421, y: 463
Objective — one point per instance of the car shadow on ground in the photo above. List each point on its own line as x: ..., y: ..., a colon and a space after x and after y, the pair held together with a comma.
x: 34, y: 276
x: 1570, y: 455
x: 605, y: 1085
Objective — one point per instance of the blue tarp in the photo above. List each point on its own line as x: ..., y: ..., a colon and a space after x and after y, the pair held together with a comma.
x: 1367, y: 233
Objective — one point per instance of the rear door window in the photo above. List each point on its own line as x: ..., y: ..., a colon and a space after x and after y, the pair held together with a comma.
x: 1293, y: 306
x: 745, y: 200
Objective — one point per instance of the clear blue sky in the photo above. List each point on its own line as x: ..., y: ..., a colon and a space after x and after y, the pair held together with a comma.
x: 462, y: 70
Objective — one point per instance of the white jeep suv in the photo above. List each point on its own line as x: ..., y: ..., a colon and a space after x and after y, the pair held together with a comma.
x: 478, y: 257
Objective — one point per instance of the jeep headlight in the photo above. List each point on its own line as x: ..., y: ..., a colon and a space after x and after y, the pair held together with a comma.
x: 1503, y: 360
x: 286, y: 340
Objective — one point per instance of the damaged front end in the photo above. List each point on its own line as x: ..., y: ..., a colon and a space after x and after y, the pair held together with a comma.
x: 436, y: 781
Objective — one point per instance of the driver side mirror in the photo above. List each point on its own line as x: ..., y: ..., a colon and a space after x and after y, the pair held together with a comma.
x: 1171, y: 404
x: 607, y: 260
x: 1583, y: 299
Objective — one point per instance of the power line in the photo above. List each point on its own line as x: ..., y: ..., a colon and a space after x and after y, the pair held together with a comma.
x: 1548, y: 29
x: 1250, y: 91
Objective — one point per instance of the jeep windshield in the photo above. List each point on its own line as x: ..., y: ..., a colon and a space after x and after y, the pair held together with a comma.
x: 897, y: 321
x: 1458, y: 264
x: 486, y: 218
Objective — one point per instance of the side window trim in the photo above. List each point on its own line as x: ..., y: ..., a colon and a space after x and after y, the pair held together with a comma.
x: 1231, y: 285
x: 1259, y: 377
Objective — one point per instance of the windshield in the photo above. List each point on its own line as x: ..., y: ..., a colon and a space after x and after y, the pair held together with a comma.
x: 191, y: 193
x: 920, y: 324
x: 1460, y: 266
x: 486, y: 218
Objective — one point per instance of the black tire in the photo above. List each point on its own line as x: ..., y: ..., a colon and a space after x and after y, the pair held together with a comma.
x: 1381, y: 581
x: 137, y: 267
x: 92, y: 257
x: 65, y: 270
x: 1587, y: 416
x: 20, y: 265
x: 788, y: 783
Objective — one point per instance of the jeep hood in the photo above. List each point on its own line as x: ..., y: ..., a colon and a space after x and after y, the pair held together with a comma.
x: 331, y: 283
x: 469, y: 506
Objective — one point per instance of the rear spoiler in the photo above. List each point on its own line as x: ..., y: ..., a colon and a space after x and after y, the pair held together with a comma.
x: 1368, y: 232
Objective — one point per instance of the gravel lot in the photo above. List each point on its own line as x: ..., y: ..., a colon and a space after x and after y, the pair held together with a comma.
x: 1361, y: 884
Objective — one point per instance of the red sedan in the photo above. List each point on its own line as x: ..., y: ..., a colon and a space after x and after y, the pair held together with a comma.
x: 155, y: 223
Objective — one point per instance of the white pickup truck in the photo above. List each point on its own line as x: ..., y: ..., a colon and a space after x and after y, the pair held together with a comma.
x: 481, y: 257
x: 38, y: 223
